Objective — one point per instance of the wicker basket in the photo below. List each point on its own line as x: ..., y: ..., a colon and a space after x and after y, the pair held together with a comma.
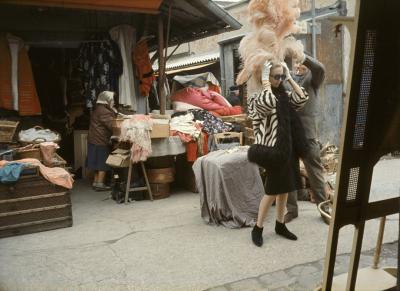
x: 59, y: 161
x: 30, y: 152
x: 7, y: 130
x: 161, y: 176
x: 160, y: 190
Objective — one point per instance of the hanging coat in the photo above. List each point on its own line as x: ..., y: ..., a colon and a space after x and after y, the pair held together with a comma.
x: 28, y: 100
x: 17, y: 85
x: 101, y: 65
x: 125, y: 37
x: 6, y: 98
x: 144, y: 70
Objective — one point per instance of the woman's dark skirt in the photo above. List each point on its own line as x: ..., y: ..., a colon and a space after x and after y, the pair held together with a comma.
x: 97, y: 156
x: 282, y: 177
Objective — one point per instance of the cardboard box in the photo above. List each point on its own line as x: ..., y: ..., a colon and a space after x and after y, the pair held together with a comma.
x: 119, y: 158
x: 160, y: 128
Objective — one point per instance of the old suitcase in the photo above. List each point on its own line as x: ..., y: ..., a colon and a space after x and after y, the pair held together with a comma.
x: 33, y: 204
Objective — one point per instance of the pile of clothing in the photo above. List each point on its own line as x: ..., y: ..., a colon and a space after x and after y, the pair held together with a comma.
x: 137, y: 131
x: 196, y: 128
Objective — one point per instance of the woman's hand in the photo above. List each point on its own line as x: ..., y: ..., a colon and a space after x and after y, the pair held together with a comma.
x: 286, y: 71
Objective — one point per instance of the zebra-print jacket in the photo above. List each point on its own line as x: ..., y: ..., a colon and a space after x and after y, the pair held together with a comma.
x: 262, y: 111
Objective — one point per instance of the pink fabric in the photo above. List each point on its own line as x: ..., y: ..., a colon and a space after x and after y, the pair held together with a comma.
x: 57, y: 176
x: 202, y: 98
x: 273, y: 24
x: 226, y: 111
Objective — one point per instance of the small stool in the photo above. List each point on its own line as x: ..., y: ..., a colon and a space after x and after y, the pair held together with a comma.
x: 128, y: 183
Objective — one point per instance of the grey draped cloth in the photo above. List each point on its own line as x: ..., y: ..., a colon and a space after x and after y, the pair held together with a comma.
x: 230, y: 188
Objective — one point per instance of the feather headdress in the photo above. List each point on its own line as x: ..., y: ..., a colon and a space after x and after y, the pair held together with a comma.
x: 273, y: 22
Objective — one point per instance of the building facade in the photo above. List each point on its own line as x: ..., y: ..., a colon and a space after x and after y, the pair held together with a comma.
x: 332, y: 49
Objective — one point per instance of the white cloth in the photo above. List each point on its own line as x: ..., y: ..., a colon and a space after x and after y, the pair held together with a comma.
x: 125, y: 37
x: 185, y: 124
x: 183, y: 106
x: 15, y: 44
x: 169, y: 146
x: 33, y: 134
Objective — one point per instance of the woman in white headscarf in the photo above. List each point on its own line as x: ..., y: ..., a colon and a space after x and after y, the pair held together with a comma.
x: 100, y: 132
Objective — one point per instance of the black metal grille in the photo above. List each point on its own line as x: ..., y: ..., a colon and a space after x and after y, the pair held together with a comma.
x: 365, y: 88
x: 353, y: 184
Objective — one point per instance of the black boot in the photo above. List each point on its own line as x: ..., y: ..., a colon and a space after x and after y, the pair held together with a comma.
x: 281, y: 229
x: 256, y: 235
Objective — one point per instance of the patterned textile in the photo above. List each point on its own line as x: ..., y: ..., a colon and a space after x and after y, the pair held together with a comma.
x: 211, y: 124
x: 101, y: 65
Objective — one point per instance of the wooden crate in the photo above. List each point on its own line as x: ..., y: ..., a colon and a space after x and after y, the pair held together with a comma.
x: 33, y: 204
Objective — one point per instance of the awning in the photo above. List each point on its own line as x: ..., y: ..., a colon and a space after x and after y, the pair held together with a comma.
x: 71, y: 21
x: 185, y: 63
x: 174, y: 71
x: 144, y: 6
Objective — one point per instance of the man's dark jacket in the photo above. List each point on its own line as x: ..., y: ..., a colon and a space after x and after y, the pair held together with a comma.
x: 311, y: 82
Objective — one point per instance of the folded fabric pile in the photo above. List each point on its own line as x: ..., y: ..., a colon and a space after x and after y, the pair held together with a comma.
x: 137, y: 131
x: 185, y: 127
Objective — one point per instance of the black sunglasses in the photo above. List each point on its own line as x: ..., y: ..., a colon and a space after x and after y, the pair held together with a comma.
x: 279, y: 77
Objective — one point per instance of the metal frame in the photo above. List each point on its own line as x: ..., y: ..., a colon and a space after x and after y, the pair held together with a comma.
x: 370, y: 130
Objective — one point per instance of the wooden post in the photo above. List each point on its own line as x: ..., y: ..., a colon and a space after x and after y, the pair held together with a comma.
x: 161, y: 64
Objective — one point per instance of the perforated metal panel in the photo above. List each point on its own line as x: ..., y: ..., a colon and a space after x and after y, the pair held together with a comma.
x: 353, y: 184
x: 365, y: 88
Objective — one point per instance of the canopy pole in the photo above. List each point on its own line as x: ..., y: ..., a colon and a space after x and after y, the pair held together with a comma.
x: 161, y: 64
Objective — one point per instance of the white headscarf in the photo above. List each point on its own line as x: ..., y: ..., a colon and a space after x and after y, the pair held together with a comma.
x: 107, y: 98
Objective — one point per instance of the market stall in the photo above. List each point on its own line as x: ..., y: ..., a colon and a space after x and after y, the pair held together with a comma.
x: 55, y: 59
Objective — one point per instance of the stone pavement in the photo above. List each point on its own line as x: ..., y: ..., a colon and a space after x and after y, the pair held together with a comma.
x: 306, y: 277
x: 166, y: 245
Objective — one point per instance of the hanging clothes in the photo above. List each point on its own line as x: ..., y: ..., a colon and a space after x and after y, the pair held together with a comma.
x: 17, y: 85
x: 15, y: 44
x: 28, y: 99
x: 125, y: 37
x: 143, y: 69
x: 6, y: 97
x: 101, y: 65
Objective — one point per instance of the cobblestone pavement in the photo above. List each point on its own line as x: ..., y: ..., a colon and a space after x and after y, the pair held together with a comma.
x: 307, y: 276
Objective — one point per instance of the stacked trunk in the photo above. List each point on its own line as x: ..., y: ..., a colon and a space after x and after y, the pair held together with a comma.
x: 33, y: 204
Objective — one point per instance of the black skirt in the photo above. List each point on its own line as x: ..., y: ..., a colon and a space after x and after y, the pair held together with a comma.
x: 284, y: 178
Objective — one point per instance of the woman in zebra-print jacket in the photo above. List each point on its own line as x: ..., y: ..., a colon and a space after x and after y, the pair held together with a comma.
x: 279, y: 142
